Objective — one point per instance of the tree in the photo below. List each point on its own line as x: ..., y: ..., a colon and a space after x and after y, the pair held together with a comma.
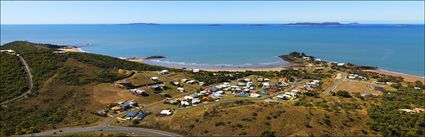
x: 268, y: 134
x: 342, y: 93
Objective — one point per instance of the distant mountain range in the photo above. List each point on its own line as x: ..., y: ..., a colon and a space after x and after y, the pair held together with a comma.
x: 320, y: 23
x: 294, y: 24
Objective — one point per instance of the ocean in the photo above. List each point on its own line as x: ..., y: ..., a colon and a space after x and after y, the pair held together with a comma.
x: 398, y: 48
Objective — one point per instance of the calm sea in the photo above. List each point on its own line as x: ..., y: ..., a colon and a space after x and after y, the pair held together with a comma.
x: 391, y: 47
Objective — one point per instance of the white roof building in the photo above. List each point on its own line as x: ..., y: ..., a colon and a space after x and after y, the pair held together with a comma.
x: 180, y: 89
x: 164, y: 72
x: 255, y: 95
x: 154, y: 78
x: 195, y: 70
x: 166, y: 112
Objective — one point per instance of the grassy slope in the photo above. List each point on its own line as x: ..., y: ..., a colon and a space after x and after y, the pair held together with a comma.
x: 254, y: 118
x: 64, y: 85
x: 12, y: 77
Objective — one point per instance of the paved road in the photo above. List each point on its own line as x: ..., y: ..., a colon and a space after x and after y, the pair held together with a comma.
x: 29, y: 81
x: 131, y: 130
x: 343, y: 76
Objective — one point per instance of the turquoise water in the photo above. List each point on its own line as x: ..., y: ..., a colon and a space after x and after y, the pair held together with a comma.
x: 392, y: 47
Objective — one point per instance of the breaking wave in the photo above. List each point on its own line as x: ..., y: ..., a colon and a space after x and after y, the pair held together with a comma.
x: 179, y: 64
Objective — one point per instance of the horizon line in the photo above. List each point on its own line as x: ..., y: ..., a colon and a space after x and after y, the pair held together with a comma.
x: 143, y: 23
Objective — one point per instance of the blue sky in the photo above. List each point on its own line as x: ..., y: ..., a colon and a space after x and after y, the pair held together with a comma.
x: 109, y: 12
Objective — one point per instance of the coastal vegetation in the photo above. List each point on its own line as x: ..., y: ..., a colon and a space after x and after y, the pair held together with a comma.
x: 62, y: 82
x: 390, y: 121
x: 12, y: 77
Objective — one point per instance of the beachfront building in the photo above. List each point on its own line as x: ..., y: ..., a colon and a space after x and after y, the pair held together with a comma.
x: 164, y: 72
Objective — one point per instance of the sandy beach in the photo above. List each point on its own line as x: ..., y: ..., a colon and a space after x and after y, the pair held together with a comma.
x: 140, y: 60
x: 407, y: 77
x: 70, y: 49
x: 278, y: 68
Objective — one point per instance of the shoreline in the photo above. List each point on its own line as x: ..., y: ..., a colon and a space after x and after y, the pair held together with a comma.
x: 407, y: 77
x: 70, y: 49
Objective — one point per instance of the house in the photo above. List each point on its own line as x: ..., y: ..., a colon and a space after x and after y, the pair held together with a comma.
x: 318, y: 60
x: 266, y: 85
x: 284, y: 84
x: 306, y: 58
x: 366, y: 95
x: 8, y: 51
x: 249, y: 84
x: 163, y: 94
x: 352, y: 76
x: 191, y: 81
x: 157, y: 86
x: 294, y: 91
x: 196, y: 101
x: 201, y: 83
x: 125, y: 106
x: 266, y: 80
x: 271, y: 101
x: 314, y: 82
x: 284, y: 96
x: 417, y: 88
x: 195, y: 70
x: 379, y: 88
x: 293, y: 94
x: 340, y: 64
x: 132, y: 103
x: 117, y: 108
x: 217, y: 95
x: 220, y: 92
x: 241, y: 95
x: 164, y: 72
x: 154, y: 78
x: 241, y: 84
x: 137, y: 91
x: 247, y: 80
x: 102, y: 112
x: 273, y: 90
x: 264, y: 92
x: 141, y: 116
x: 320, y: 68
x: 124, y: 84
x: 180, y: 89
x: 166, y: 112
x: 175, y: 83
x: 260, y: 79
x: 188, y: 97
x: 255, y: 95
x: 185, y: 103
x: 183, y: 80
x: 180, y: 99
x: 131, y: 115
x: 172, y: 101
x: 214, y: 89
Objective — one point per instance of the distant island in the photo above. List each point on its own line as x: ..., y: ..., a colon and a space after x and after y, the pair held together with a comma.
x: 317, y: 24
x: 141, y: 24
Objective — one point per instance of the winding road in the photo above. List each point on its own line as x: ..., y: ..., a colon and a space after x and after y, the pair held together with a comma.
x: 131, y: 130
x: 29, y: 81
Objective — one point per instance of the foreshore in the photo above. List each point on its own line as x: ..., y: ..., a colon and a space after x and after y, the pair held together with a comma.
x: 407, y: 77
x: 71, y: 49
